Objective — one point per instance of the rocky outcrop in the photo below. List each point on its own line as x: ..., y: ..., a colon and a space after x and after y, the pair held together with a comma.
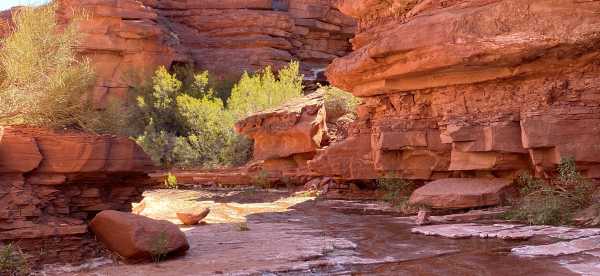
x: 124, y: 42
x: 228, y: 37
x: 137, y: 238
x: 461, y: 193
x: 295, y: 128
x: 51, y: 183
x: 469, y: 88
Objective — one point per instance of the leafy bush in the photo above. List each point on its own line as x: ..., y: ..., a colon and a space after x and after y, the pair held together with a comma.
x: 552, y: 202
x: 171, y: 181
x: 262, y: 90
x: 159, y: 247
x: 42, y: 81
x: 186, y: 125
x: 338, y: 103
x: 395, y: 190
x: 13, y: 261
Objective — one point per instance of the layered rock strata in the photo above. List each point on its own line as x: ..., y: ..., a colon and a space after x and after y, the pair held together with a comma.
x: 288, y: 136
x: 469, y: 88
x: 124, y: 42
x: 228, y: 37
x: 52, y: 183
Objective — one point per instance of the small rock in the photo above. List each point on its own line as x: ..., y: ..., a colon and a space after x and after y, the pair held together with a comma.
x: 422, y: 217
x: 193, y: 218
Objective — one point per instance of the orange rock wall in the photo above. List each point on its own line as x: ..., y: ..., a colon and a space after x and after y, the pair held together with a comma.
x: 469, y: 88
x: 52, y: 183
x: 228, y: 37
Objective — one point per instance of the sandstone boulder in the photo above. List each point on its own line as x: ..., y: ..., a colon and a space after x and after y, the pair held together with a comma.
x: 460, y: 193
x: 136, y: 237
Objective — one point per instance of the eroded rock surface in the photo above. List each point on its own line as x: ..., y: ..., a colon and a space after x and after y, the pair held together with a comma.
x: 134, y: 237
x: 290, y: 134
x: 52, y: 183
x: 461, y: 193
x: 466, y: 88
x: 228, y: 37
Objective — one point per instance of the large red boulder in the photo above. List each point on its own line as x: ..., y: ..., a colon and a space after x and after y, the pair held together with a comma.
x: 135, y: 237
x: 460, y: 193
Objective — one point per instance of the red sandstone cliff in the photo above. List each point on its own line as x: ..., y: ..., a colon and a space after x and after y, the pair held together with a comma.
x: 458, y: 88
x: 53, y: 182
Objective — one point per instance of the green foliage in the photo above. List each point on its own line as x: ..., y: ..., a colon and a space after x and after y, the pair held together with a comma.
x: 171, y: 181
x: 13, y: 261
x: 338, y: 103
x: 262, y: 180
x: 159, y: 247
x: 552, y: 202
x: 42, y: 83
x: 262, y: 90
x: 187, y: 128
x: 186, y: 125
x: 396, y: 190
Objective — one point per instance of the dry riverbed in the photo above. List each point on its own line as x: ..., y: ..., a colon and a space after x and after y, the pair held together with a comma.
x: 297, y: 235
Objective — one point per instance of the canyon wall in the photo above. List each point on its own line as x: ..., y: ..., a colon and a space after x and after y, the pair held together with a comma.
x: 227, y: 37
x: 469, y: 88
x: 53, y: 183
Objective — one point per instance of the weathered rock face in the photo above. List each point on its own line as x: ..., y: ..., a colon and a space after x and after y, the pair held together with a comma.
x: 124, y: 42
x: 469, y: 88
x: 51, y: 183
x: 296, y: 128
x: 136, y: 237
x: 228, y: 37
x: 461, y: 193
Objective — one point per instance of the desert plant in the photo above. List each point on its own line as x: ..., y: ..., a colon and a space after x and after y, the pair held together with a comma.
x: 262, y: 179
x: 395, y: 190
x: 13, y: 261
x: 159, y: 247
x: 262, y: 90
x: 42, y: 82
x: 338, y: 103
x: 243, y: 226
x: 171, y: 181
x: 554, y: 201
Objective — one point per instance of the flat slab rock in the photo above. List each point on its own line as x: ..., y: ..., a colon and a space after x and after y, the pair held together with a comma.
x: 460, y: 193
x: 575, y: 240
x: 503, y: 231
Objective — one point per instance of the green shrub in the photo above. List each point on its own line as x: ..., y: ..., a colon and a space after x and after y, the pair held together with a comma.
x: 338, y: 103
x: 186, y: 125
x: 396, y: 190
x: 171, y: 181
x: 262, y: 180
x: 552, y: 202
x: 185, y: 128
x: 42, y: 83
x: 159, y: 247
x: 13, y: 261
x: 262, y: 90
